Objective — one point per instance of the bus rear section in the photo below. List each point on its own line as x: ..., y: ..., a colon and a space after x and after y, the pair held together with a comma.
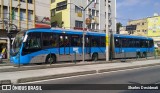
x: 125, y: 46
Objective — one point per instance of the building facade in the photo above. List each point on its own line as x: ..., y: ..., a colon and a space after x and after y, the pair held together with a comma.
x: 141, y: 27
x: 68, y: 14
x: 154, y: 29
x: 20, y: 15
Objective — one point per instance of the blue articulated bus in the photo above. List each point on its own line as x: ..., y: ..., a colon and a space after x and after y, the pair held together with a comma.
x: 50, y: 45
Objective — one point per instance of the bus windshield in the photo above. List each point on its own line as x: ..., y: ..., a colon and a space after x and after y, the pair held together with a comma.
x: 17, y: 43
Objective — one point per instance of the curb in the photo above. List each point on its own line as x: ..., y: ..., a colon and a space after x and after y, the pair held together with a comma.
x: 31, y: 79
x: 5, y: 82
x: 67, y: 65
x: 125, y: 68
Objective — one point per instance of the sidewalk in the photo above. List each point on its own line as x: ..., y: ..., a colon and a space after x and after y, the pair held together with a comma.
x: 52, y: 73
x: 5, y: 62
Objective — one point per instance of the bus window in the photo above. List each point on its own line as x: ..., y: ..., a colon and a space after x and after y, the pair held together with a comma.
x: 33, y: 43
x: 95, y: 41
x: 151, y: 44
x: 53, y: 41
x: 61, y: 42
x: 49, y: 40
x: 66, y: 41
x: 103, y: 41
x: 137, y: 43
x: 75, y: 41
x: 87, y: 41
x: 124, y: 42
x: 143, y: 43
x: 117, y: 42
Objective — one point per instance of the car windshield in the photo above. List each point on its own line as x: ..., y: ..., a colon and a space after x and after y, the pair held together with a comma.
x: 17, y: 42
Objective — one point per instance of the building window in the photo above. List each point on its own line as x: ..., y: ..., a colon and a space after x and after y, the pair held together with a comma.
x: 30, y: 15
x: 5, y: 13
x: 97, y: 26
x: 30, y: 1
x: 138, y: 23
x: 93, y: 26
x: 61, y: 6
x: 97, y: 13
x: 78, y: 10
x: 93, y: 12
x: 22, y: 0
x: 52, y: 1
x: 53, y: 12
x: 78, y: 24
x: 22, y: 15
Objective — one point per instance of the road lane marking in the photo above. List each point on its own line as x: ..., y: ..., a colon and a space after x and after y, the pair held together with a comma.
x: 89, y: 75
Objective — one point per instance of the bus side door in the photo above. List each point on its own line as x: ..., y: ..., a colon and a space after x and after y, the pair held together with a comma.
x: 88, y: 45
x: 118, y: 47
x: 64, y: 45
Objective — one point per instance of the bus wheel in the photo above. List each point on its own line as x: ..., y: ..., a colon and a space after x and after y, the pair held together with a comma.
x: 95, y: 57
x: 50, y: 59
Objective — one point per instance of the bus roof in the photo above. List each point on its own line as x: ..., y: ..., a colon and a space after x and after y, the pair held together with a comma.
x: 132, y: 36
x: 72, y: 31
x: 69, y: 31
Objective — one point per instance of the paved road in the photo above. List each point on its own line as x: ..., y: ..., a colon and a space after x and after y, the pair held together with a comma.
x: 148, y: 75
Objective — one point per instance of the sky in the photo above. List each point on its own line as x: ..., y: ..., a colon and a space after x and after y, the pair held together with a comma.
x: 136, y: 9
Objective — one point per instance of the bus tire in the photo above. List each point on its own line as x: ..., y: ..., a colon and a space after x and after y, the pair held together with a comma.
x: 95, y: 57
x: 53, y: 59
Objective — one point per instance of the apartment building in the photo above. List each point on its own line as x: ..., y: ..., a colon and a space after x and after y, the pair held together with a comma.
x: 21, y: 15
x: 141, y: 27
x: 68, y: 14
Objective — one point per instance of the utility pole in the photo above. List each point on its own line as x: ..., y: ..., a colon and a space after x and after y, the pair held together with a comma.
x: 84, y: 9
x: 8, y: 28
x: 107, y: 33
x: 83, y: 39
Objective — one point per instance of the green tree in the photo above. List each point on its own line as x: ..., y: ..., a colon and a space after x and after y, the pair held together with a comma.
x: 118, y: 25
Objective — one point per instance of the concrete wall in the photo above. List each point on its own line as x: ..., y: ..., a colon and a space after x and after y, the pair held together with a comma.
x: 43, y: 8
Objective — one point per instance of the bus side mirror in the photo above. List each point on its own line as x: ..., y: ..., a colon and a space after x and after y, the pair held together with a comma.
x: 25, y: 38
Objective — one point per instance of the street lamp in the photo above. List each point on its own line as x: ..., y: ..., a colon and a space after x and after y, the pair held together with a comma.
x: 83, y: 12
